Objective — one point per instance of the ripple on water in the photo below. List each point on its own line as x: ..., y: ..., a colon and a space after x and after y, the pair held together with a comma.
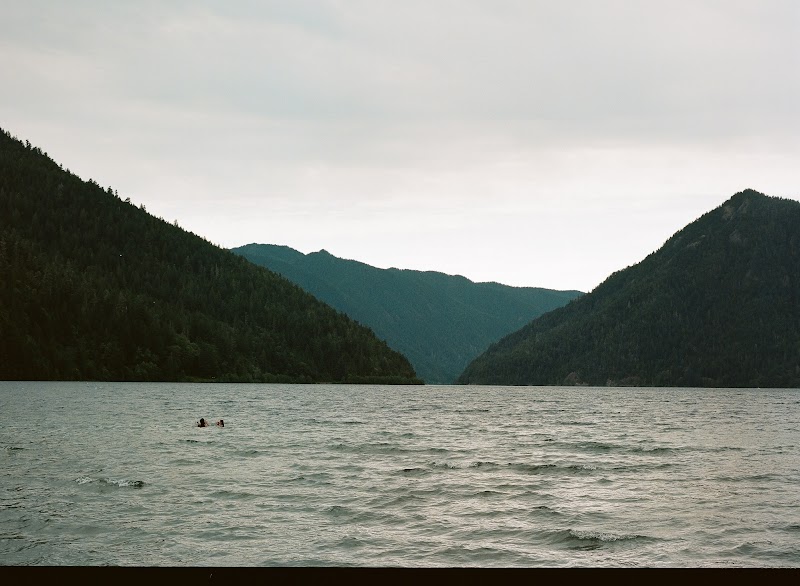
x: 336, y: 475
x: 414, y: 472
x: 372, y: 448
x: 123, y: 483
x: 534, y: 469
x: 485, y: 465
x: 249, y: 453
x: 119, y: 483
x: 444, y: 465
x: 551, y: 468
x: 235, y: 495
x: 590, y: 539
x: 184, y: 462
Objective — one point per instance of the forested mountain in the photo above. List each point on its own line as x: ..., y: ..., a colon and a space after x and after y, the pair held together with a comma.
x: 717, y: 305
x: 94, y: 288
x: 440, y: 322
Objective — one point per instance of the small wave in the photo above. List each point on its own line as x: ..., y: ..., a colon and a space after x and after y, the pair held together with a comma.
x: 746, y: 549
x: 752, y: 477
x: 183, y: 462
x: 404, y: 499
x: 232, y: 494
x: 548, y: 468
x: 350, y: 542
x: 533, y: 468
x: 589, y: 540
x: 338, y: 511
x: 644, y: 467
x: 722, y: 449
x: 372, y: 516
x: 486, y: 465
x: 319, y: 478
x: 539, y: 510
x: 414, y: 472
x: 316, y: 421
x: 470, y: 556
x: 580, y: 467
x: 488, y: 493
x: 121, y: 483
x: 604, y: 536
x: 596, y: 446
x: 376, y: 448
x: 443, y: 465
x: 12, y: 448
x: 652, y: 449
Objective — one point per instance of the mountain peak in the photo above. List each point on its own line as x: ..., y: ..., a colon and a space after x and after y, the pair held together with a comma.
x: 715, y: 306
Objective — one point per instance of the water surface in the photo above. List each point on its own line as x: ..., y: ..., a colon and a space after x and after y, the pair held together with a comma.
x: 338, y: 475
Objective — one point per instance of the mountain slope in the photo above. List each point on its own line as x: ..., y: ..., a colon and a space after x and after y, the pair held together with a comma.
x: 717, y: 305
x: 94, y: 288
x: 440, y: 322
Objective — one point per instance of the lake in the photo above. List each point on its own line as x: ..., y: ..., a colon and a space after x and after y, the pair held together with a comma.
x: 418, y: 476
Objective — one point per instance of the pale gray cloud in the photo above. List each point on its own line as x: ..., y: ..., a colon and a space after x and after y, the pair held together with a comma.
x: 539, y: 143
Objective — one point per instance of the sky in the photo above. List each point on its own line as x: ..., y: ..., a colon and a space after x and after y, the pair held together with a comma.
x: 531, y: 143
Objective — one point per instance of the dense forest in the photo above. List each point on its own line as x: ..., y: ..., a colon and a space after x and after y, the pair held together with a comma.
x: 440, y: 322
x: 95, y: 288
x: 717, y: 305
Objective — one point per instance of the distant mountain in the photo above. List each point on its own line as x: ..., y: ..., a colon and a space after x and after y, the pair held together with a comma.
x: 717, y: 305
x: 93, y: 288
x: 440, y: 322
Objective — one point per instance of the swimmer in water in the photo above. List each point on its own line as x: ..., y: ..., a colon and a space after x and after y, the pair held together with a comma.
x: 202, y: 423
x: 221, y: 423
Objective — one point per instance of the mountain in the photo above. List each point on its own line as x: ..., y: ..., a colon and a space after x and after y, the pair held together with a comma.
x: 94, y: 288
x: 440, y: 322
x: 717, y: 305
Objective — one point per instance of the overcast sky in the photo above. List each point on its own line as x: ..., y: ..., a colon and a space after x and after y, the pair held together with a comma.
x: 534, y: 143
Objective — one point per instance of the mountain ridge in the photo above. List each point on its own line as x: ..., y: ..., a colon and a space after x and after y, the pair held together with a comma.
x: 438, y: 321
x: 716, y: 305
x: 95, y: 288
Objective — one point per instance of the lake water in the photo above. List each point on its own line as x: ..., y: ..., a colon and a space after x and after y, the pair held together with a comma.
x: 336, y: 475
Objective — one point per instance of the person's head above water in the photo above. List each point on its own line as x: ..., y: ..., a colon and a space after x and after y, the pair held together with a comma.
x: 221, y: 423
x: 202, y: 423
